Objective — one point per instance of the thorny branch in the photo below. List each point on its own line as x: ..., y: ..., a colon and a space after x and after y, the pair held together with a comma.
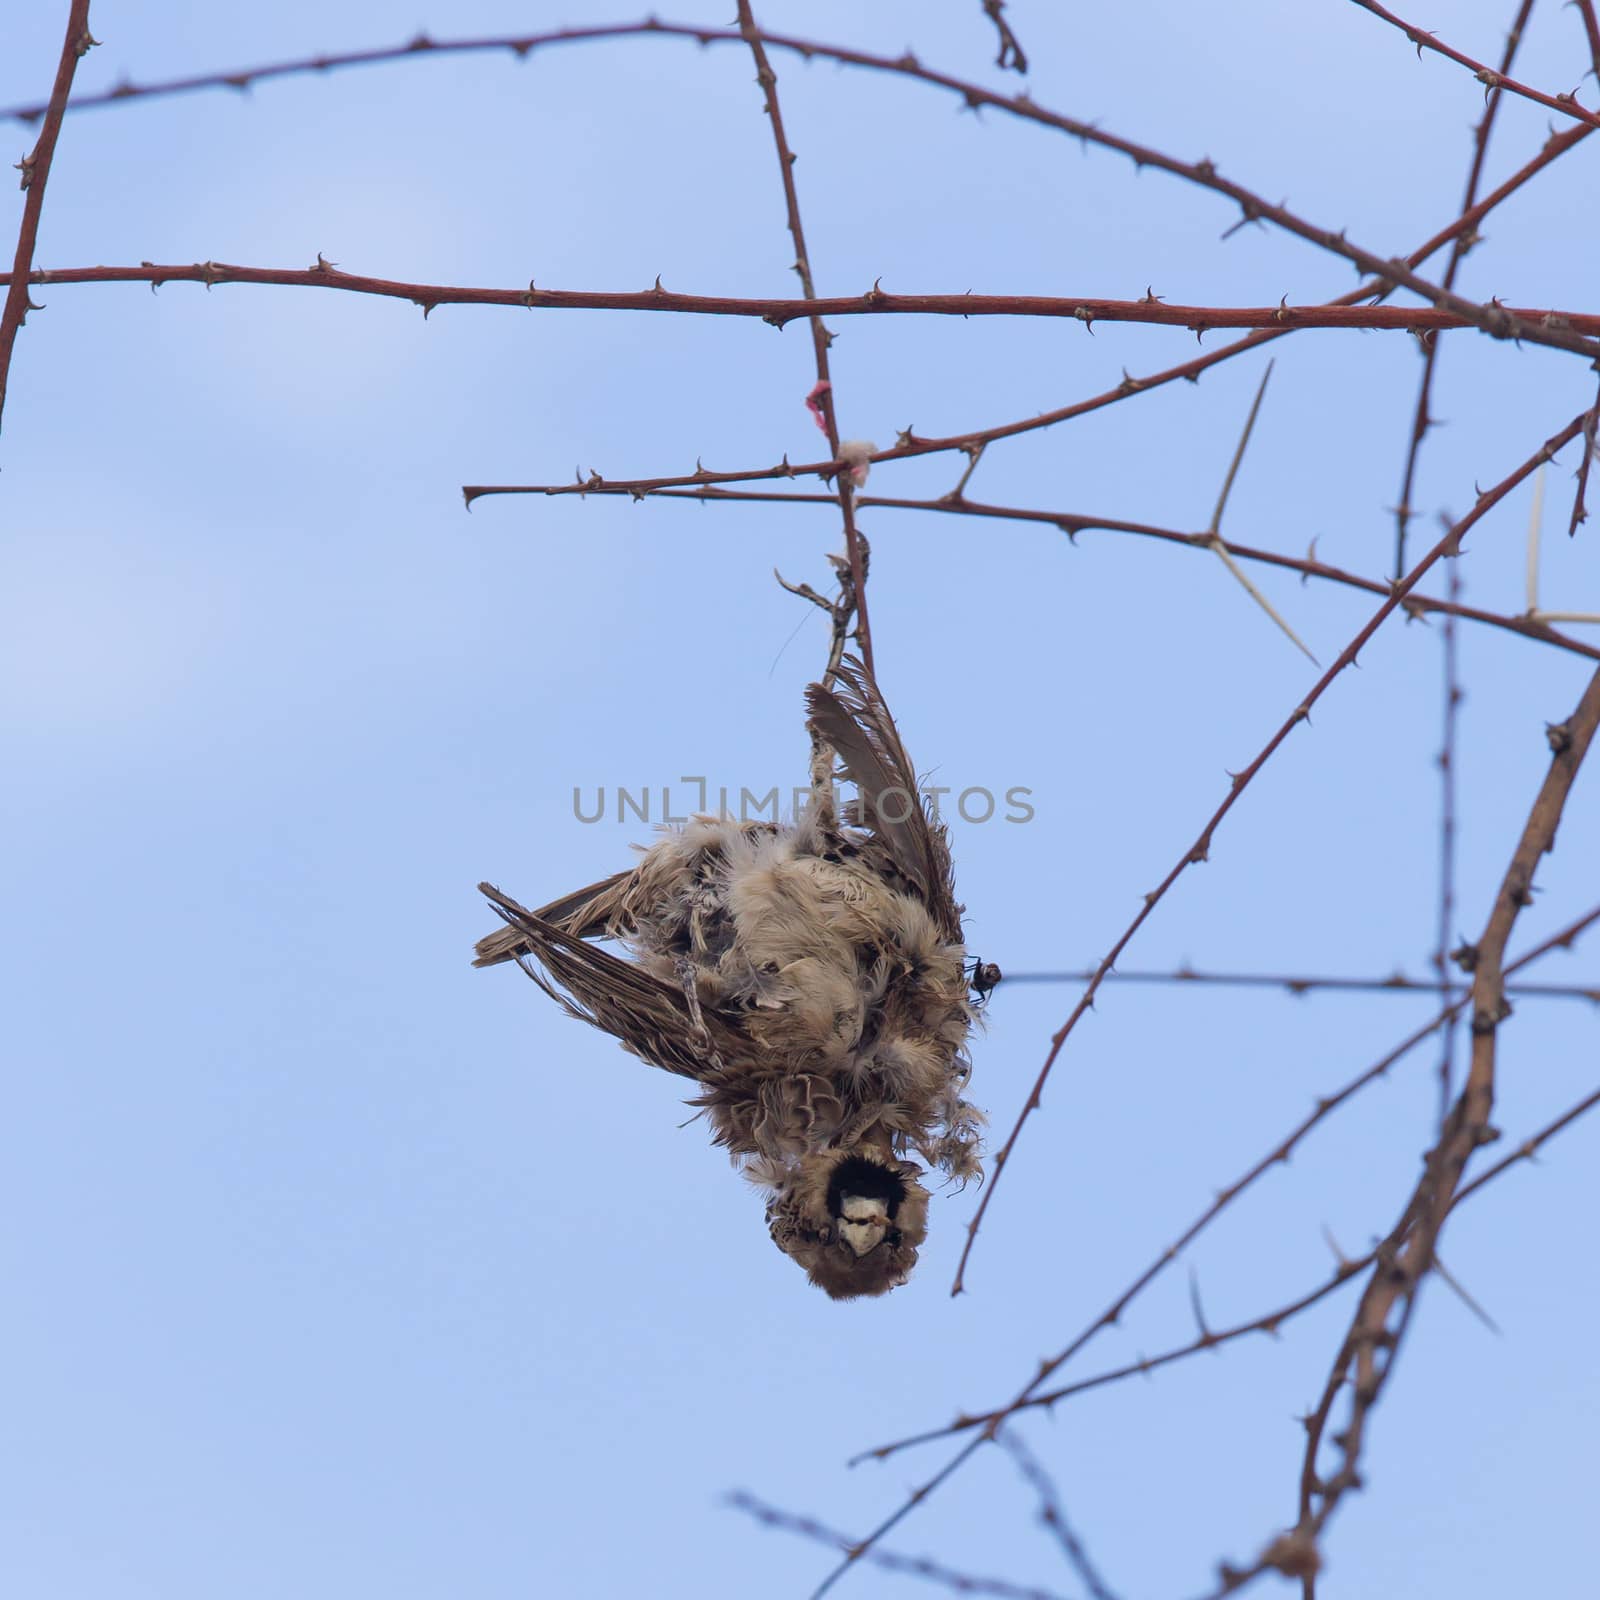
x: 855, y: 597
x: 1459, y: 246
x: 1269, y: 1322
x: 1200, y: 849
x: 1296, y: 984
x: 778, y: 311
x: 1492, y: 318
x: 1377, y: 1330
x: 1566, y: 104
x: 1278, y: 1155
x: 1406, y: 1256
x: 1072, y: 523
x: 1053, y: 1516
x: 1591, y: 30
x: 911, y: 445
x: 1197, y: 852
x: 35, y: 169
x: 888, y: 1560
x: 1445, y: 920
x: 1579, y: 512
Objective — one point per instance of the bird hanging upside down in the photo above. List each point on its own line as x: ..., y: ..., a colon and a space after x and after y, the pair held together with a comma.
x: 810, y: 977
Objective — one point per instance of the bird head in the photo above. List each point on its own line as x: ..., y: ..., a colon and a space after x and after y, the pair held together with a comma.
x: 853, y: 1218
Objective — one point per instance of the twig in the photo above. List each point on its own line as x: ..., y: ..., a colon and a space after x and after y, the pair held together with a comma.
x: 821, y: 339
x: 1053, y: 1516
x: 1459, y: 246
x: 35, y: 169
x: 1199, y: 850
x: 1492, y: 318
x: 1268, y: 1322
x: 1073, y: 523
x: 778, y: 311
x: 1530, y: 1146
x: 910, y: 445
x: 1011, y: 52
x: 1591, y: 29
x: 1215, y: 541
x: 1378, y: 1329
x: 1566, y: 104
x: 1443, y: 938
x: 1293, y: 984
x: 1579, y: 512
x: 888, y: 1560
x: 1535, y: 523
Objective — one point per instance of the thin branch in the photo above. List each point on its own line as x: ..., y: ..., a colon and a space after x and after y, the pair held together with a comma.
x: 911, y: 445
x: 1199, y: 850
x: 1443, y: 926
x: 1535, y: 528
x: 1459, y: 247
x: 1579, y: 512
x: 1377, y: 1331
x: 888, y: 1560
x: 821, y: 339
x: 1196, y: 852
x: 1279, y: 1154
x: 1053, y: 1515
x: 1268, y: 1322
x: 1011, y: 52
x: 778, y: 311
x: 1215, y: 541
x: 1566, y: 104
x: 1073, y: 523
x: 1492, y: 318
x: 1591, y: 29
x: 1531, y: 1145
x: 1295, y: 984
x: 35, y: 169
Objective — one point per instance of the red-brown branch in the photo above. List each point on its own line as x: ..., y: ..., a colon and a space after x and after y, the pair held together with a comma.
x: 822, y: 394
x: 777, y: 311
x: 1072, y: 523
x: 1566, y: 104
x: 35, y: 167
x: 1200, y: 848
x: 1492, y: 318
x: 1197, y: 851
x: 1459, y: 246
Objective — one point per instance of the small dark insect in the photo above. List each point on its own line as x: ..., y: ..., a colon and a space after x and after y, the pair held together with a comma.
x: 986, y: 978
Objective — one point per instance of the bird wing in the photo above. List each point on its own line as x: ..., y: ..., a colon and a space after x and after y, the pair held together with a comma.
x: 649, y: 1016
x: 583, y: 913
x: 854, y: 720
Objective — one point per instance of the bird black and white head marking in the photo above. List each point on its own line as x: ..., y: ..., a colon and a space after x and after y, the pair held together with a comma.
x: 854, y: 1219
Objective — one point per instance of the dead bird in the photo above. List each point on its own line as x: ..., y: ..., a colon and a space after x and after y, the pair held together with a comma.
x: 810, y: 977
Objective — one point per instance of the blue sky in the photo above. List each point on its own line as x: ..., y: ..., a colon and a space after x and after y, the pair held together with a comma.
x: 336, y: 1266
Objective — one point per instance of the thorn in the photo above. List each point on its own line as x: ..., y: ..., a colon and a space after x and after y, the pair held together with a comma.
x: 1206, y: 1335
x: 1465, y: 1298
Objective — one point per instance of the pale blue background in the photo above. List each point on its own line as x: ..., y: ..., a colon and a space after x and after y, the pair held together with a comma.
x: 336, y: 1268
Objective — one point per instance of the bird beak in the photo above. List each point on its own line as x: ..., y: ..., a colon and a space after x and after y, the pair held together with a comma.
x: 863, y: 1221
